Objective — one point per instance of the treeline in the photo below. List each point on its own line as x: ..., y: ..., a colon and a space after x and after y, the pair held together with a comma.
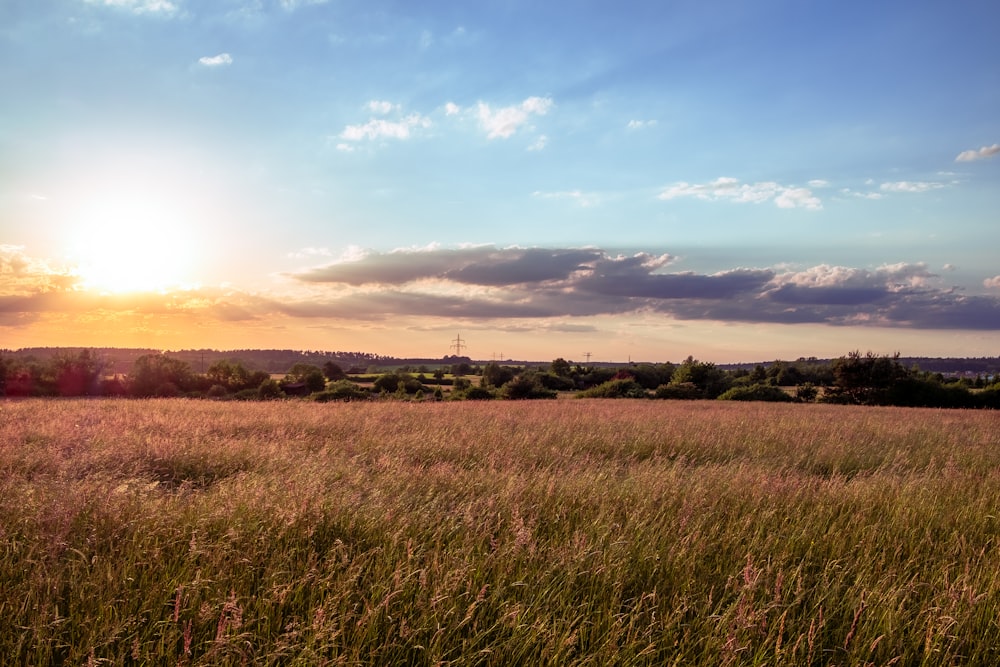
x: 272, y: 361
x: 859, y: 379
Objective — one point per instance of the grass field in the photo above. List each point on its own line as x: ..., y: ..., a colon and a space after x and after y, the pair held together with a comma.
x: 592, y: 532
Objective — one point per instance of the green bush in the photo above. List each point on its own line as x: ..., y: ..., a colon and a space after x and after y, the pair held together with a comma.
x: 681, y: 391
x: 341, y: 390
x: 756, y: 392
x: 615, y: 389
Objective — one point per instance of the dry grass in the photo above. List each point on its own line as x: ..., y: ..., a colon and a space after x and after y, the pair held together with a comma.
x: 552, y: 533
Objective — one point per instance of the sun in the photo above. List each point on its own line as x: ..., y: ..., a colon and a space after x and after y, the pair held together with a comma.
x: 132, y: 243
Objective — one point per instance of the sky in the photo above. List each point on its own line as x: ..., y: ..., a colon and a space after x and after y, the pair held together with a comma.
x: 638, y: 180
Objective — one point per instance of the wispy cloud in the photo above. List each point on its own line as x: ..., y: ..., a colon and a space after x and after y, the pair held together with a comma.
x: 912, y: 186
x: 731, y: 189
x: 221, y: 60
x: 984, y: 153
x: 502, y: 123
x: 289, y: 5
x: 640, y: 124
x: 152, y: 7
x: 584, y: 199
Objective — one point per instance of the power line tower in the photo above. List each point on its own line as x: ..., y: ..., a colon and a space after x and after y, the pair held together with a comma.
x: 587, y: 354
x: 458, y: 344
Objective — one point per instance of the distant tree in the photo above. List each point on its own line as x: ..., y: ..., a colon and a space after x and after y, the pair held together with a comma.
x: 806, y: 392
x: 77, y: 374
x: 309, y: 375
x: 234, y: 376
x: 526, y: 385
x: 865, y: 379
x: 333, y: 372
x: 269, y: 389
x: 710, y: 380
x: 560, y: 367
x: 156, y: 374
x: 495, y: 375
x: 460, y: 369
x: 651, y: 376
x: 556, y: 382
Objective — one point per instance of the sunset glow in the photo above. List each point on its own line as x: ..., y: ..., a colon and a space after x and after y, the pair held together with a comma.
x: 128, y: 244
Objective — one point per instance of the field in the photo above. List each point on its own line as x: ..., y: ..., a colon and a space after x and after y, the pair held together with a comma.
x: 536, y: 533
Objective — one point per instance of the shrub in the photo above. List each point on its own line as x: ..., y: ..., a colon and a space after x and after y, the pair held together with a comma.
x: 269, y: 389
x: 341, y: 390
x: 622, y: 388
x: 682, y: 391
x: 478, y: 394
x: 216, y: 391
x: 526, y: 385
x: 756, y: 392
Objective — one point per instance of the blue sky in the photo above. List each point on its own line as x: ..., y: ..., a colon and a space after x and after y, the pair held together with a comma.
x: 646, y: 180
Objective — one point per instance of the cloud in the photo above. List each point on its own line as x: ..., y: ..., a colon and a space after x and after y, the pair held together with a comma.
x: 486, y: 282
x: 23, y: 275
x: 498, y: 285
x: 540, y: 143
x: 221, y: 60
x: 452, y: 109
x: 480, y: 265
x: 984, y: 153
x: 289, y: 5
x: 151, y: 7
x: 911, y: 186
x: 640, y: 124
x: 378, y: 128
x: 502, y: 123
x: 725, y: 188
x: 861, y: 195
x: 381, y: 107
x: 584, y: 199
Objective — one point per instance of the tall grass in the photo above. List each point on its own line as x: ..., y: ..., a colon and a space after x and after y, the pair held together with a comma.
x: 556, y: 533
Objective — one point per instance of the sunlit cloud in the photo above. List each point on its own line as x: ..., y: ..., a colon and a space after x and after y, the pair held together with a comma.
x: 452, y: 109
x: 378, y: 128
x: 984, y: 153
x: 489, y: 284
x: 220, y: 60
x: 731, y: 189
x: 502, y: 123
x: 22, y: 274
x: 381, y: 107
x: 485, y: 282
